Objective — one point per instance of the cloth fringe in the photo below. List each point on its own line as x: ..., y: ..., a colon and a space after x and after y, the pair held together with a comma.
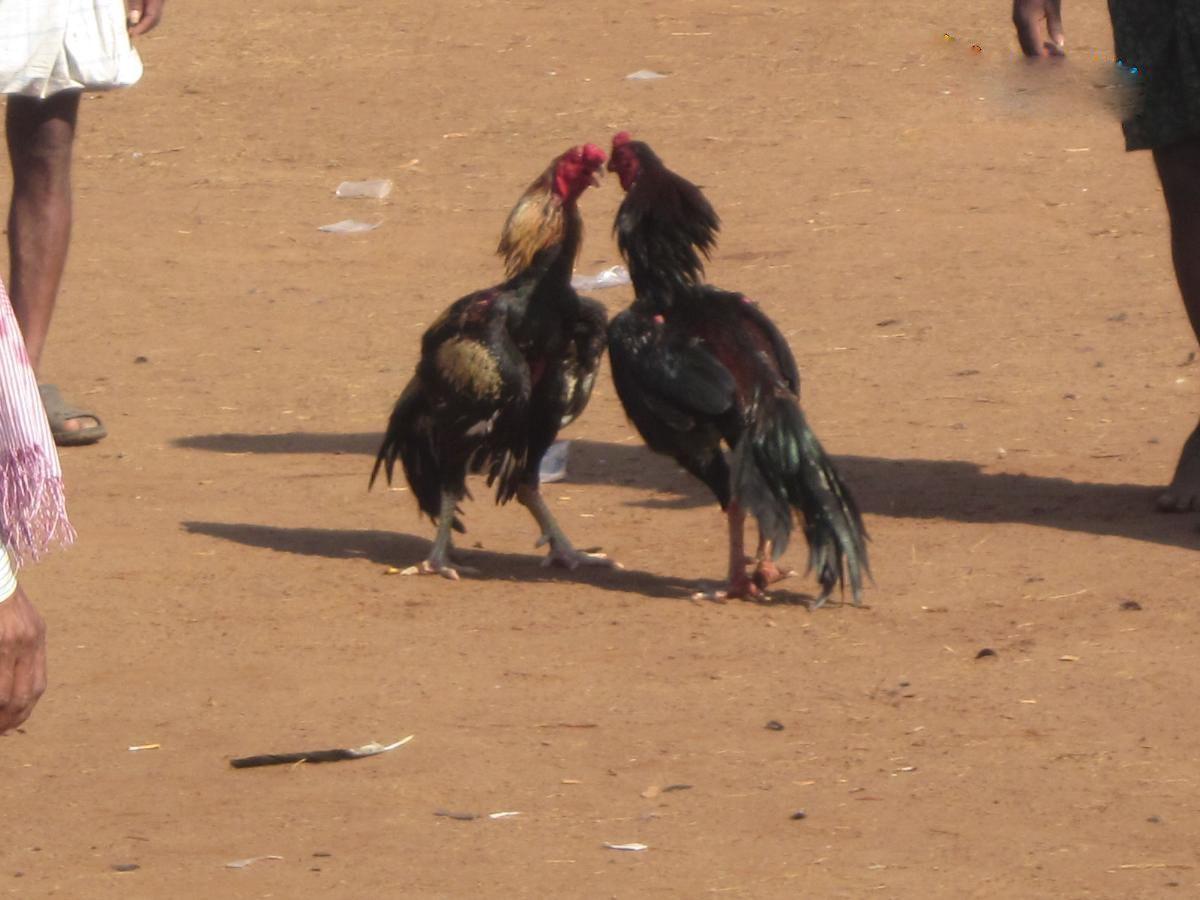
x: 33, y: 506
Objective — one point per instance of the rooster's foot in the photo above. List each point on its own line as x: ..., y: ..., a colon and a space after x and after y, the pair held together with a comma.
x: 572, y: 559
x: 435, y: 567
x: 766, y: 573
x: 743, y: 588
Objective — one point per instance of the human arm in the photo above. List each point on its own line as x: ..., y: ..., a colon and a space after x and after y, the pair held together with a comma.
x: 144, y: 15
x: 22, y: 659
x: 1035, y: 19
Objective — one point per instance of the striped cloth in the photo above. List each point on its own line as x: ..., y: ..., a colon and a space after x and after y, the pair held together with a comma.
x: 47, y: 46
x: 33, y: 510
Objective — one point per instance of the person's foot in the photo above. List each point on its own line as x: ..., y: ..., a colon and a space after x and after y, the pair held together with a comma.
x: 70, y: 427
x: 1183, y: 494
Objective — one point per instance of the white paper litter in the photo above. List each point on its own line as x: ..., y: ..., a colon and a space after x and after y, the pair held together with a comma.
x: 502, y: 815
x: 349, y: 226
x: 636, y: 848
x: 375, y: 189
x: 375, y: 748
x: 242, y: 863
x: 644, y: 75
x: 554, y: 463
x: 614, y: 276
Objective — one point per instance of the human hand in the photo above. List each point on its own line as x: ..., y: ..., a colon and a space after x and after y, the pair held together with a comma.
x: 144, y: 15
x: 22, y: 660
x: 1029, y: 16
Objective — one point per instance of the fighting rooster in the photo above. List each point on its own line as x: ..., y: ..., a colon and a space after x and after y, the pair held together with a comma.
x: 695, y: 365
x: 503, y: 369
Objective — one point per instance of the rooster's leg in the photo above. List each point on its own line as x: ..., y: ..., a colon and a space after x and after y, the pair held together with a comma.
x: 739, y: 585
x: 438, y: 561
x: 766, y: 571
x: 562, y: 553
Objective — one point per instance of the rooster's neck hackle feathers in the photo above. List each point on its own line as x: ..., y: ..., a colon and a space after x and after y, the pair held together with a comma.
x: 537, y: 222
x: 665, y: 227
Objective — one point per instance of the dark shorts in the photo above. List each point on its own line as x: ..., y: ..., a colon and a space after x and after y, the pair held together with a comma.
x: 1161, y: 39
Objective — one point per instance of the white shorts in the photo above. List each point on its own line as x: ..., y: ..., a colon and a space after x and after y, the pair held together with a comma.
x: 47, y: 46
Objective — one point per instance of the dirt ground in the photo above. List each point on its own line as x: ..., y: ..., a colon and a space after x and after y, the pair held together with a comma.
x: 975, y: 279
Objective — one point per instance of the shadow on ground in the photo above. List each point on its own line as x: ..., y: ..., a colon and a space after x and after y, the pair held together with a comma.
x: 386, y: 548
x: 900, y: 488
x: 286, y: 442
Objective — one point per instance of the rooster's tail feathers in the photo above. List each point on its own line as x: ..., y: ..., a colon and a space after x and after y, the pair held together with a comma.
x: 779, y: 465
x: 409, y: 439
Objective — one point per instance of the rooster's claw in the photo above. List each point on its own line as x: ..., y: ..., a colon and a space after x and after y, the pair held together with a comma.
x: 741, y: 589
x: 573, y: 559
x: 432, y: 567
x: 768, y: 573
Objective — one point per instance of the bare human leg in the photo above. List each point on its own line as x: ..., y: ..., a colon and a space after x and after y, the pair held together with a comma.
x: 1179, y: 171
x: 40, y: 136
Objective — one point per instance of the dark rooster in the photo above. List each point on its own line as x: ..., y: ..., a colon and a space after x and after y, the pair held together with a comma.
x: 695, y: 365
x: 503, y: 369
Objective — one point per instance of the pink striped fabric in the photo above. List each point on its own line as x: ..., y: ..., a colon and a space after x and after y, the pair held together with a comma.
x: 33, y: 509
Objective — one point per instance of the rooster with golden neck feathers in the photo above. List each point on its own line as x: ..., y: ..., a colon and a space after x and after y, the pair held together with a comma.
x: 503, y: 369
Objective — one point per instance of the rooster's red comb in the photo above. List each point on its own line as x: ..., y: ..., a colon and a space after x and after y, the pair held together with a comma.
x: 621, y: 138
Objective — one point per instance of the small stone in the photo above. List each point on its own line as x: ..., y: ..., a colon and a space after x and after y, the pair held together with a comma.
x: 125, y: 867
x: 986, y: 651
x: 774, y: 726
x: 141, y: 359
x: 1130, y: 605
x: 1154, y: 820
x: 798, y: 815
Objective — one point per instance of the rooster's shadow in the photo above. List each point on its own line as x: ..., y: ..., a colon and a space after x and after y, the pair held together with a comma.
x: 335, y: 443
x: 391, y: 549
x: 955, y: 490
x: 590, y: 462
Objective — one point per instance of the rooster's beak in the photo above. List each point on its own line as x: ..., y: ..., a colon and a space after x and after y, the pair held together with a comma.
x: 597, y: 177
